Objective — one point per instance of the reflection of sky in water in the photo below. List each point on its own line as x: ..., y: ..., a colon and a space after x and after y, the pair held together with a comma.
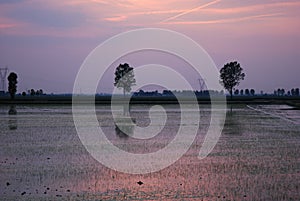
x: 257, y: 157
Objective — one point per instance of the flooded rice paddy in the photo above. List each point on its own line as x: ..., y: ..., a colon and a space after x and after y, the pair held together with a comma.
x: 256, y: 158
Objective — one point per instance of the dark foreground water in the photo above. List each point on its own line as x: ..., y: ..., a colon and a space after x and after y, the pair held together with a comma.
x: 256, y: 158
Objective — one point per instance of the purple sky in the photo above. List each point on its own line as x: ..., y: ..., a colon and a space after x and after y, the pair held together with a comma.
x: 45, y: 42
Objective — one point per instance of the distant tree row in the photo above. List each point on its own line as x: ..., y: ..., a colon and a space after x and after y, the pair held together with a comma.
x: 177, y: 92
x: 12, y: 87
x: 246, y: 92
x: 278, y: 92
x: 33, y: 92
x: 231, y: 74
x: 282, y: 92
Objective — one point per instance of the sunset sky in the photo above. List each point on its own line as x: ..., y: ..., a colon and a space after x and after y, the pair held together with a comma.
x: 45, y: 42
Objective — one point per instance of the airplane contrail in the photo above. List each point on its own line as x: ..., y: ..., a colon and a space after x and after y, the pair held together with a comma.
x: 191, y: 10
x: 231, y: 20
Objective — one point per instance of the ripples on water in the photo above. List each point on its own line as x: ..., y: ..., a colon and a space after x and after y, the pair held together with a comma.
x: 257, y: 157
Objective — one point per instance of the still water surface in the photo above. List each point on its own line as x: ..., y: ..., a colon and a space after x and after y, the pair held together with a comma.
x: 256, y: 158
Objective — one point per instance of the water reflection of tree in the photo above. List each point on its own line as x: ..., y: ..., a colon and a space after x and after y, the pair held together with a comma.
x: 120, y: 133
x: 12, y: 120
x: 232, y: 124
x: 124, y: 127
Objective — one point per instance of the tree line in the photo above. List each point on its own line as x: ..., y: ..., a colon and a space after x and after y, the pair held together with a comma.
x: 282, y: 92
x: 231, y: 74
x: 12, y: 87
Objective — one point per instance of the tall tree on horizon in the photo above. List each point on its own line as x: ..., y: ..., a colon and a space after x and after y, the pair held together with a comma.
x: 12, y: 84
x: 231, y: 75
x: 124, y: 77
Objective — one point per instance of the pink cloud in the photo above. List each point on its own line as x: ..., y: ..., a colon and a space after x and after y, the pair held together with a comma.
x: 4, y: 26
x: 6, y: 23
x: 116, y: 19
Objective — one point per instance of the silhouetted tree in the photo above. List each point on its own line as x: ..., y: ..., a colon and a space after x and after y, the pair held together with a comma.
x: 23, y: 93
x: 124, y: 77
x: 12, y: 84
x: 242, y: 92
x: 278, y: 92
x: 236, y: 92
x: 293, y: 92
x: 252, y: 92
x: 39, y: 92
x: 32, y: 92
x: 247, y: 92
x: 297, y: 92
x: 231, y: 75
